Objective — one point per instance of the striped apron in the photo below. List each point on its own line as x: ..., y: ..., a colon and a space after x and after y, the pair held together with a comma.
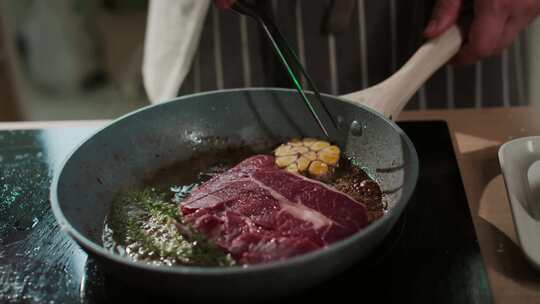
x: 376, y: 39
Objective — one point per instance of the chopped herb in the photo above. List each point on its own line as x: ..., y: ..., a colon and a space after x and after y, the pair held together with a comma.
x: 145, y: 226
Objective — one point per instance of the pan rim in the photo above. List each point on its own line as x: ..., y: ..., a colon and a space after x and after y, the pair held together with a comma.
x: 100, y: 251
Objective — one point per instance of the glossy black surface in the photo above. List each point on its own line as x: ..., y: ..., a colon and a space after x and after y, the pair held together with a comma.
x: 432, y: 256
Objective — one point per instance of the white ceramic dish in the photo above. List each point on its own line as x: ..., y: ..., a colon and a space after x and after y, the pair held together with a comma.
x: 520, y: 165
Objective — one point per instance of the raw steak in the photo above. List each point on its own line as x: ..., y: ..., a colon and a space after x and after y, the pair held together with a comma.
x: 260, y: 213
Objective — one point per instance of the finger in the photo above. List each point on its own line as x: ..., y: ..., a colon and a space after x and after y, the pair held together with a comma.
x: 483, y: 39
x: 511, y: 31
x: 225, y: 4
x: 508, y: 36
x: 444, y: 16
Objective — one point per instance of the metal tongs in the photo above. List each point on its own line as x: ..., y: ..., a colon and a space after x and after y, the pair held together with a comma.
x: 287, y: 56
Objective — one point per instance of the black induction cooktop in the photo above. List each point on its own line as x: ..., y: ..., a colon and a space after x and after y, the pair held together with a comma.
x: 431, y: 256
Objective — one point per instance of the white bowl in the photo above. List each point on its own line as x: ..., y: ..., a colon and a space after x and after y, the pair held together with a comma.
x: 520, y: 165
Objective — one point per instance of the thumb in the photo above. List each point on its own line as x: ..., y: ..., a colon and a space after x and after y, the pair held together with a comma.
x: 444, y: 15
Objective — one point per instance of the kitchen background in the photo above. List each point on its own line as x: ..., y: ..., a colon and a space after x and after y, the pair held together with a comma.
x: 73, y: 59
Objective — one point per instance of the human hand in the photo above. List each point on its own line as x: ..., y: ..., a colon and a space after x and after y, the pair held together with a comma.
x: 224, y: 3
x: 495, y: 25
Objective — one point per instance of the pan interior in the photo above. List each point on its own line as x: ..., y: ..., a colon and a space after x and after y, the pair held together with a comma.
x: 116, y: 158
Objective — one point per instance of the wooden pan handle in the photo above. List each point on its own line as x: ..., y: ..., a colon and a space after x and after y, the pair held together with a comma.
x: 390, y: 96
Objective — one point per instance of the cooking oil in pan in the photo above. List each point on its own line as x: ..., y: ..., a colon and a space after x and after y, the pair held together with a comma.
x: 145, y: 224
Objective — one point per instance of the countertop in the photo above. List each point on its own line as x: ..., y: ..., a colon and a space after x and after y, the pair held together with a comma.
x: 477, y: 135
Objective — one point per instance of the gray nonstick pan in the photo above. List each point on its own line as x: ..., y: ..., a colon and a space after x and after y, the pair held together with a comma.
x: 116, y: 157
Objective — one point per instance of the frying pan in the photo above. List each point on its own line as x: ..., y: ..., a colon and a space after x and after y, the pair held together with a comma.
x: 117, y: 156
